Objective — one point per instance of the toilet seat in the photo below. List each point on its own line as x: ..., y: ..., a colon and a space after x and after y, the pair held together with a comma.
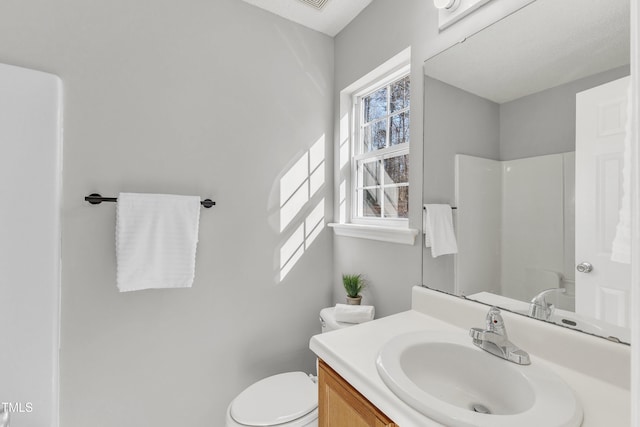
x: 279, y: 399
x: 309, y: 420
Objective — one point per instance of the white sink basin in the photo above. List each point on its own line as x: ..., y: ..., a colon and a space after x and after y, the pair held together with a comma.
x: 448, y: 379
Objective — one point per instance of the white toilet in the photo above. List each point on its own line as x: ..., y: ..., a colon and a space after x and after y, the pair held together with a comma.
x: 283, y: 400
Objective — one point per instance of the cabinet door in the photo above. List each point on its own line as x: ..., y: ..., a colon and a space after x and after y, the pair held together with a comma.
x: 341, y: 405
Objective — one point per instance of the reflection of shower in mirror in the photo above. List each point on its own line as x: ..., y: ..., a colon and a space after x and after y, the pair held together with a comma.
x: 517, y: 222
x: 531, y: 226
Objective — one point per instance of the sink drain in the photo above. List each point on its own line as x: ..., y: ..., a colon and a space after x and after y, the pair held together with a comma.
x: 481, y: 409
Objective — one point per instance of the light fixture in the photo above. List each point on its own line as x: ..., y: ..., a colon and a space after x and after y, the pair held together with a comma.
x: 449, y: 5
x: 318, y: 4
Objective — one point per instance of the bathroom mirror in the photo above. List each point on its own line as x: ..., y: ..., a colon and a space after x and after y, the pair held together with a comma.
x: 524, y: 133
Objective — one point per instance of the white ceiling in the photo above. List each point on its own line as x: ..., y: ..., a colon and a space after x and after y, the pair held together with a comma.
x: 545, y: 44
x: 335, y: 15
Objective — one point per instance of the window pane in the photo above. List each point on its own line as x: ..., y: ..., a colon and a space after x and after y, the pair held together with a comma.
x: 400, y: 94
x: 396, y: 202
x: 370, y: 174
x: 375, y: 136
x: 382, y: 182
x: 375, y: 105
x: 396, y: 170
x: 370, y: 202
x: 399, y: 129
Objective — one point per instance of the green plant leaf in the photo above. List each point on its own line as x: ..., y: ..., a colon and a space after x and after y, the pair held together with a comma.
x: 353, y: 284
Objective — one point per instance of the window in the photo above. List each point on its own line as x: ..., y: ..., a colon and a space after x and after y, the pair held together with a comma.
x: 380, y: 162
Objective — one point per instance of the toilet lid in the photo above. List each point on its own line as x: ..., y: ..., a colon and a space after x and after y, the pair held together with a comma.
x: 276, y: 400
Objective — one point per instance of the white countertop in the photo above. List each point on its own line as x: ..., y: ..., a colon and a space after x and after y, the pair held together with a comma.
x: 352, y: 353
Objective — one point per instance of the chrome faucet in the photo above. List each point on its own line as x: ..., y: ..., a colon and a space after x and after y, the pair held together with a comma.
x: 494, y: 339
x: 540, y: 308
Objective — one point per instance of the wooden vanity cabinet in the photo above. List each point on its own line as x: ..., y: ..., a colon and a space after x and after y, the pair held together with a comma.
x: 341, y: 405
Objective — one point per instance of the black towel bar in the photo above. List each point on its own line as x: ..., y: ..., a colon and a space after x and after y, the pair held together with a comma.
x: 96, y: 199
x: 452, y: 207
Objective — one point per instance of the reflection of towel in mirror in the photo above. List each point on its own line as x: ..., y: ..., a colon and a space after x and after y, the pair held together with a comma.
x: 438, y: 230
x: 621, y: 246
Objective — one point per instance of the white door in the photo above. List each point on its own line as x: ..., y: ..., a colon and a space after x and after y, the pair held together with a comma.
x: 601, y: 118
x: 29, y: 245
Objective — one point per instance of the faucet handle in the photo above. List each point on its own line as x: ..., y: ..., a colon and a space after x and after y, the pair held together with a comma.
x: 495, y: 323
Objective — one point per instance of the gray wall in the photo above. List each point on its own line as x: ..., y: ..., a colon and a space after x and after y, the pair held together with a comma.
x: 390, y: 269
x: 455, y: 122
x: 545, y: 122
x: 216, y: 99
x: 382, y: 30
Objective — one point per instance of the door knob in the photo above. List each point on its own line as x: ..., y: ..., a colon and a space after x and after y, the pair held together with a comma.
x: 584, y: 267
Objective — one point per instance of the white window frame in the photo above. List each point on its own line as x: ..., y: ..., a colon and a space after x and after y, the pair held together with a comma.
x: 389, y: 151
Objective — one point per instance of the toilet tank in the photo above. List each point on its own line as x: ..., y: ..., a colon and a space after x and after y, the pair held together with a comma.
x: 328, y: 320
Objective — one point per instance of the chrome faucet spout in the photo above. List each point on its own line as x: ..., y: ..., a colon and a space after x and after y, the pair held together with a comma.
x: 494, y: 339
x: 539, y: 308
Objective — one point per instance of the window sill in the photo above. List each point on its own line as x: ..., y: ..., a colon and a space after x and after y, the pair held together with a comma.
x: 403, y: 236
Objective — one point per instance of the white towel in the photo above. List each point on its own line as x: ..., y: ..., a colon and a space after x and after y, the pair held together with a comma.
x: 438, y: 230
x: 156, y: 239
x: 353, y: 313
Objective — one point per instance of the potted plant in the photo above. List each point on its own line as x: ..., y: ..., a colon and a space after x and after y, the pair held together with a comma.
x: 353, y: 284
